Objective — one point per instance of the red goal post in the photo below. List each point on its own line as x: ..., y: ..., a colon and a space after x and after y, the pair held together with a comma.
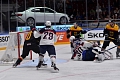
x: 19, y: 45
x: 15, y: 46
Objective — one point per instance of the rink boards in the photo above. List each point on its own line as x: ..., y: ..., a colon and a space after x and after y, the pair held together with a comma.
x: 96, y: 34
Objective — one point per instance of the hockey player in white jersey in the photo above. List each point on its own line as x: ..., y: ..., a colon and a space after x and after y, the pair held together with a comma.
x: 48, y: 38
x: 83, y: 50
x: 89, y: 51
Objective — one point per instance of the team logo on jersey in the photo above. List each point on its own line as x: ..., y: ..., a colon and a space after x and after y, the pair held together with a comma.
x: 28, y: 35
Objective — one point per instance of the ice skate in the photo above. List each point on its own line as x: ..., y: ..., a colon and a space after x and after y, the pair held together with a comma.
x: 17, y: 62
x: 44, y: 65
x: 72, y: 58
x: 15, y: 65
x: 97, y: 60
x: 39, y: 64
x: 78, y: 57
x: 55, y: 69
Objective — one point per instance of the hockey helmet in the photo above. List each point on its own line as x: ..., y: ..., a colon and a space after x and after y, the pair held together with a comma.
x: 48, y: 23
x: 75, y: 24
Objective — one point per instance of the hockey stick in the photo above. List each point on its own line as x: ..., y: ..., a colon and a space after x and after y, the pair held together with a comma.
x: 95, y: 27
x: 112, y: 47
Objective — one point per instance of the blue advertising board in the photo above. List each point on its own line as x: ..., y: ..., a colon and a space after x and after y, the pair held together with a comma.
x: 55, y: 27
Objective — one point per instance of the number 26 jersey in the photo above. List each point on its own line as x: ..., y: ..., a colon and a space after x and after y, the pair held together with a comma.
x: 48, y: 36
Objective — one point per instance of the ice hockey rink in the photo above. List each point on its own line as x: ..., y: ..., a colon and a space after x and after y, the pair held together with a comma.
x: 69, y: 70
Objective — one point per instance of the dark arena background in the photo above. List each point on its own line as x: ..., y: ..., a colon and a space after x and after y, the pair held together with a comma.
x: 85, y: 12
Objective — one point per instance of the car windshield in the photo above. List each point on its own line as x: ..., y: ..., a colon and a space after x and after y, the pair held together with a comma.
x: 46, y: 10
x: 21, y: 9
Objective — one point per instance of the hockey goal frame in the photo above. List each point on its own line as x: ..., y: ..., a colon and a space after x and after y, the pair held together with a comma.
x: 14, y: 47
x: 19, y: 47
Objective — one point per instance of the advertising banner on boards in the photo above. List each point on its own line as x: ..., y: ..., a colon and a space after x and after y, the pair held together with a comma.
x: 3, y: 41
x: 94, y: 35
x: 55, y: 27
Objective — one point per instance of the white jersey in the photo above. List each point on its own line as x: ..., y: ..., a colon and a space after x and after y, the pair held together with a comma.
x: 48, y: 36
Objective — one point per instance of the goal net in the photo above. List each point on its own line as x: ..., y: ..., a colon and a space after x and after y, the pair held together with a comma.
x: 14, y: 47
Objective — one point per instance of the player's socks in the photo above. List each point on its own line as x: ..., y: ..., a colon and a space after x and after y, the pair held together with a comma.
x: 117, y: 55
x: 97, y: 59
x: 117, y: 52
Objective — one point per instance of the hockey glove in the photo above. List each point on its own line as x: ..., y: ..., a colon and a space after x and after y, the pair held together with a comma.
x: 118, y: 40
x: 68, y: 36
x: 106, y: 36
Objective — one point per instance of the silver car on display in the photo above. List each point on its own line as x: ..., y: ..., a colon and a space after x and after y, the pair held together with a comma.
x: 39, y: 15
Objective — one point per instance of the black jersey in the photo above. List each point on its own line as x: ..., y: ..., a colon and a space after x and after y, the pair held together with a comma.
x: 76, y: 31
x: 31, y: 39
x: 111, y: 31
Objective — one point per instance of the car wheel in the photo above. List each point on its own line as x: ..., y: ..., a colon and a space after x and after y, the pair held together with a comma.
x: 30, y: 21
x: 63, y: 20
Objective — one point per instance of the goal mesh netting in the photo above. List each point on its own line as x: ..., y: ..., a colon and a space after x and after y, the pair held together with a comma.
x: 14, y: 47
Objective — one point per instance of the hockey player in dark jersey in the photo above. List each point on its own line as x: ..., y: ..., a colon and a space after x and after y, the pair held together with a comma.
x: 75, y: 30
x: 111, y: 33
x: 30, y: 43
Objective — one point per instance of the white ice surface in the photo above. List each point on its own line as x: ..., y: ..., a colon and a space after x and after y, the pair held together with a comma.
x: 69, y: 70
